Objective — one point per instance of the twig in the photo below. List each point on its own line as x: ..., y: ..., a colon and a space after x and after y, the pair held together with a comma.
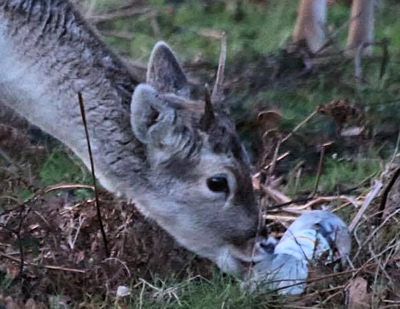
x: 280, y: 218
x: 121, y: 262
x: 41, y: 192
x: 268, y: 166
x: 279, y: 158
x: 390, y: 260
x: 118, y: 34
x: 338, y: 274
x: 312, y: 201
x: 68, y: 187
x: 370, y: 196
x: 299, y: 126
x: 96, y: 194
x: 325, y: 199
x: 118, y: 14
x: 52, y: 267
x: 300, y: 200
x: 387, y: 190
x: 72, y: 240
x: 321, y: 161
x: 372, y: 234
x: 346, y: 272
x: 219, y: 82
x: 274, y: 161
x: 275, y: 194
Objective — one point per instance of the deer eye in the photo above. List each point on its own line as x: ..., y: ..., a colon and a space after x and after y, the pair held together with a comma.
x: 218, y: 184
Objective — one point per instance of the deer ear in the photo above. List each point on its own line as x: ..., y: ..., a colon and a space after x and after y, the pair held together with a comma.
x: 147, y: 109
x: 156, y: 124
x: 164, y: 72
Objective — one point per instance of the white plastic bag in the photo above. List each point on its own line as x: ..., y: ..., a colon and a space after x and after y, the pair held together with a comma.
x: 311, y: 236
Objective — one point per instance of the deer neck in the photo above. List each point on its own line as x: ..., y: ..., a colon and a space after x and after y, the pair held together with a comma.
x: 47, y: 55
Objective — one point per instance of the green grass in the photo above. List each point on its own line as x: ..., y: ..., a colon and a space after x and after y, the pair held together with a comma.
x: 198, y: 293
x: 182, y: 24
x: 63, y: 167
x: 255, y: 29
x: 347, y: 173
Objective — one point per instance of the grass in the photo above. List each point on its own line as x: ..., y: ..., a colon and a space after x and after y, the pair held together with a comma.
x: 60, y: 167
x: 337, y: 174
x: 182, y: 24
x: 197, y: 293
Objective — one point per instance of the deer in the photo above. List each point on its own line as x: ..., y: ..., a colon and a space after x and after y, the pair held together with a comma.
x: 178, y: 159
x: 310, y: 26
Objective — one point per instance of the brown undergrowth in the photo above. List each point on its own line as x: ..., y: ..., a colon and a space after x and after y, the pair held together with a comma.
x: 50, y: 244
x: 61, y: 241
x: 371, y: 210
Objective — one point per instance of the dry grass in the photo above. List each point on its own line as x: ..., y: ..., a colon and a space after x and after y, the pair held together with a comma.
x: 50, y: 242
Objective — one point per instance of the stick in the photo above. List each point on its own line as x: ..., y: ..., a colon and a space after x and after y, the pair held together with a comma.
x: 321, y: 161
x: 96, y: 194
x: 370, y: 196
x: 118, y: 14
x: 219, y: 82
x: 43, y: 266
x: 299, y: 126
x: 387, y: 190
x: 68, y: 187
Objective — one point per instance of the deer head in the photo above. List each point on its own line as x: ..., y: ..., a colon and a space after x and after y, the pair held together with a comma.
x: 201, y: 189
x: 180, y: 160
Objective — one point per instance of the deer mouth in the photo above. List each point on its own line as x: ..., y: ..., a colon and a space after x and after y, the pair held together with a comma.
x: 254, y: 251
x: 237, y: 260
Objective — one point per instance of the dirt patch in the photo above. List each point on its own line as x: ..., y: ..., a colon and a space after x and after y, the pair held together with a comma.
x: 60, y: 240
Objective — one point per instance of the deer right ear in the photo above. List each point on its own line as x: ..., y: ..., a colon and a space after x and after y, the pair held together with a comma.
x: 156, y: 124
x: 146, y: 108
x: 164, y: 72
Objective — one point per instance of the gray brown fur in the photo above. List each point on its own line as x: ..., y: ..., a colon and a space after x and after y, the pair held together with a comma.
x: 149, y: 146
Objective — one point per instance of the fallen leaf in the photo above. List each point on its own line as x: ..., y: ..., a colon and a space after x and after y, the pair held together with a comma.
x: 357, y: 294
x: 269, y: 119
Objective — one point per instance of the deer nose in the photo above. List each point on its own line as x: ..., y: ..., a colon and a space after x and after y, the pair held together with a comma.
x: 263, y: 232
x: 267, y: 245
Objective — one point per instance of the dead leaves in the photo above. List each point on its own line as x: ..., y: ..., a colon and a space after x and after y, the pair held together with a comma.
x: 349, y: 118
x: 65, y: 245
x: 357, y: 294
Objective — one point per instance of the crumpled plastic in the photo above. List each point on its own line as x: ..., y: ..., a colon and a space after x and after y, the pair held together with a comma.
x: 312, y: 236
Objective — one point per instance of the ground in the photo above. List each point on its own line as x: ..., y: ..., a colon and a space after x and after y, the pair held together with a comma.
x: 334, y: 159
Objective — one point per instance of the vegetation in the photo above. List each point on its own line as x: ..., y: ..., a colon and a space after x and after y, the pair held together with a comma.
x: 260, y: 76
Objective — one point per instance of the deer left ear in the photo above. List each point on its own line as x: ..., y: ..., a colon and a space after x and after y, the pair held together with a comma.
x: 164, y: 72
